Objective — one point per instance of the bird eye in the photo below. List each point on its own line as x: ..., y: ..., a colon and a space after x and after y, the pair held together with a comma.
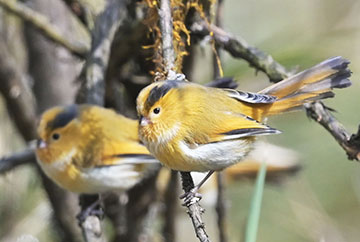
x: 55, y: 136
x: 156, y: 110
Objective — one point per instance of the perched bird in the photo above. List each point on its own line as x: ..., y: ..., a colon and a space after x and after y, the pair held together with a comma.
x: 190, y: 127
x: 90, y: 149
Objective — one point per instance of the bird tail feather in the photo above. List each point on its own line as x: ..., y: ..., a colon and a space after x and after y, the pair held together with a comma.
x: 310, y: 85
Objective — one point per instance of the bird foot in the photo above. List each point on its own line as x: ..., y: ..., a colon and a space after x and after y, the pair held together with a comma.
x: 191, y: 197
x: 94, y: 209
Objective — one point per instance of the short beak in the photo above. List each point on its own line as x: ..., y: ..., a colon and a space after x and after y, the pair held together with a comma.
x: 41, y: 144
x: 144, y: 121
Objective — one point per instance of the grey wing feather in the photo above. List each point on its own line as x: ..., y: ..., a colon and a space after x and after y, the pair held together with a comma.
x: 250, y: 97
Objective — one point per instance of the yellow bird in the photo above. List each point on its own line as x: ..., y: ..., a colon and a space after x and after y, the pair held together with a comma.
x: 190, y: 127
x: 90, y: 149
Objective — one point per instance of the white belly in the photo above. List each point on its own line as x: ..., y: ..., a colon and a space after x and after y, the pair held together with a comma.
x: 216, y: 156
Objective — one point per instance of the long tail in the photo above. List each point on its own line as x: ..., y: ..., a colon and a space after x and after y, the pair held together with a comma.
x: 309, y: 85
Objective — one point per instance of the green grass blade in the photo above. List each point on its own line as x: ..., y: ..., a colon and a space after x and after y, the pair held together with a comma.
x: 255, y: 206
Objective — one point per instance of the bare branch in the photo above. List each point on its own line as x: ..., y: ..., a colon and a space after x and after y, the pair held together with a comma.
x: 321, y: 114
x: 194, y: 209
x: 238, y: 48
x: 16, y: 159
x: 42, y: 23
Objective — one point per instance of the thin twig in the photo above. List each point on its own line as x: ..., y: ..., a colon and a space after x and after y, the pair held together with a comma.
x: 238, y: 48
x: 42, y: 23
x: 16, y: 159
x: 194, y: 209
x: 318, y: 112
x: 166, y: 28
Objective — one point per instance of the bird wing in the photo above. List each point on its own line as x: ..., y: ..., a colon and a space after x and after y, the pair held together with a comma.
x: 126, y: 153
x: 232, y: 126
x: 249, y: 97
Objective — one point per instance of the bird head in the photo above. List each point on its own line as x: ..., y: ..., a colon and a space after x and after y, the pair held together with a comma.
x: 159, y: 110
x: 59, y: 134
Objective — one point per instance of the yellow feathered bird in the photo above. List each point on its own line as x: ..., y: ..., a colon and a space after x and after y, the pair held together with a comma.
x: 90, y: 149
x: 189, y: 127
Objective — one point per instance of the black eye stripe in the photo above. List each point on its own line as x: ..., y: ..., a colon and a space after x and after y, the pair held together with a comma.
x: 65, y: 117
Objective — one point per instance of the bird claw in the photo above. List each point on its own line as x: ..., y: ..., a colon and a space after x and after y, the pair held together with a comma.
x: 93, y: 210
x: 191, y: 197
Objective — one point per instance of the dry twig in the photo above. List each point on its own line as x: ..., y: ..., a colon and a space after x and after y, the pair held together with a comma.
x: 238, y: 48
x: 321, y: 114
x: 194, y: 209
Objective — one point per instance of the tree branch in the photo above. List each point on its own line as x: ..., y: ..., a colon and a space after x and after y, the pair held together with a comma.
x: 194, y: 209
x: 42, y: 23
x: 321, y: 114
x: 238, y: 48
x: 16, y: 159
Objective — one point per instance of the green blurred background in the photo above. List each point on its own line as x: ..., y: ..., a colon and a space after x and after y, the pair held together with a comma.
x: 322, y: 202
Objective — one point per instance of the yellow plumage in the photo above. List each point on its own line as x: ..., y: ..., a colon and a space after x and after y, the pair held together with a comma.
x: 89, y: 149
x: 189, y: 127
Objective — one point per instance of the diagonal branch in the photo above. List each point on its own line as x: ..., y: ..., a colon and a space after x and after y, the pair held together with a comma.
x: 321, y: 114
x: 238, y: 48
x: 16, y: 159
x: 42, y: 23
